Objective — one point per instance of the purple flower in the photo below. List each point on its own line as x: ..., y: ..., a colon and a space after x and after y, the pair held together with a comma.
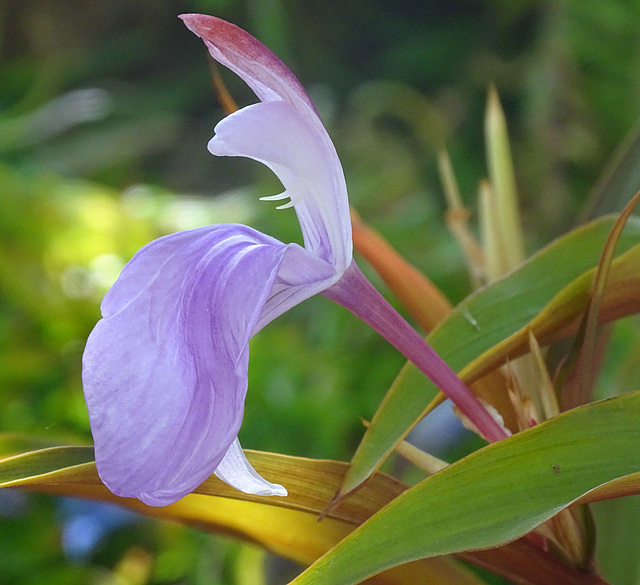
x: 165, y: 369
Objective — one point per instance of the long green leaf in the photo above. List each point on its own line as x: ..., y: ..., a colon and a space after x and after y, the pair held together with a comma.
x: 287, y: 526
x: 310, y: 482
x: 562, y: 315
x: 495, y: 495
x: 484, y: 320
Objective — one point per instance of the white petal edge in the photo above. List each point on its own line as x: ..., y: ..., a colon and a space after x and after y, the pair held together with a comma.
x: 235, y: 470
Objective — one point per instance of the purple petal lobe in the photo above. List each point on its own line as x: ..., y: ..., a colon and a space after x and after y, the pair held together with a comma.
x: 236, y: 470
x: 165, y: 370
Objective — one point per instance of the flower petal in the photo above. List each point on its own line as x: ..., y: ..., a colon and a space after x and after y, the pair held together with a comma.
x: 259, y: 67
x: 290, y: 138
x: 277, y: 135
x: 165, y: 370
x: 236, y: 470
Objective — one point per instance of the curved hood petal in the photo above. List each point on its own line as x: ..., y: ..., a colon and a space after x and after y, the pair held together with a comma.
x: 277, y: 135
x: 292, y: 130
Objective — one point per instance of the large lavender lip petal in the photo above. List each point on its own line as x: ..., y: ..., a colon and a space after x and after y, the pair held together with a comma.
x: 165, y: 370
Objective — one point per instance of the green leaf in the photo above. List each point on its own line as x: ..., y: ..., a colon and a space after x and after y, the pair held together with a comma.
x: 619, y: 539
x: 287, y: 526
x: 562, y: 316
x: 577, y: 386
x: 495, y: 495
x: 14, y: 469
x: 481, y: 322
x: 310, y: 482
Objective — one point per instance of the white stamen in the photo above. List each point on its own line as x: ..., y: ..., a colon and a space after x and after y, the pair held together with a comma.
x: 277, y: 197
x: 286, y: 205
x: 295, y: 196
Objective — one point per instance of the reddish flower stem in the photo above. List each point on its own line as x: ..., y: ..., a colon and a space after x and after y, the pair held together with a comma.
x: 354, y: 292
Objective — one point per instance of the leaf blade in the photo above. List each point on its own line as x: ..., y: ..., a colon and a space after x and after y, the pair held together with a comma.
x: 494, y: 495
x: 286, y: 526
x: 485, y: 322
x: 293, y: 529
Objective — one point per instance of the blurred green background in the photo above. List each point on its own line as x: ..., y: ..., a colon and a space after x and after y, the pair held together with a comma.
x: 105, y: 112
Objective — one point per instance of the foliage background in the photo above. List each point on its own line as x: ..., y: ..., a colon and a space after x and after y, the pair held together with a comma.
x: 87, y: 178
